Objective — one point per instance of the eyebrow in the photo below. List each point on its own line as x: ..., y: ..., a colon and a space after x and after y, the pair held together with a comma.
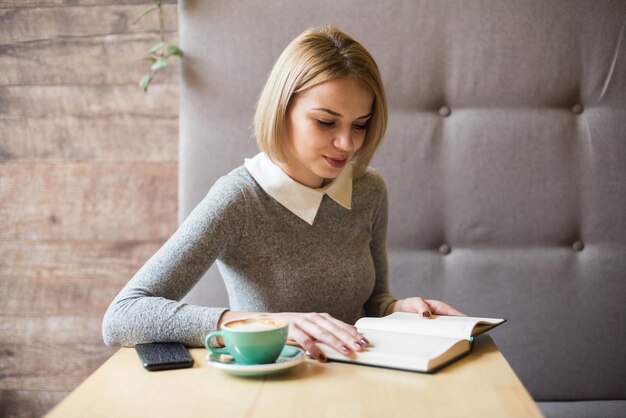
x: 339, y: 114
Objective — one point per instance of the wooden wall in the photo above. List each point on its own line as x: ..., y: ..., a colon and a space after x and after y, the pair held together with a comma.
x: 88, y: 183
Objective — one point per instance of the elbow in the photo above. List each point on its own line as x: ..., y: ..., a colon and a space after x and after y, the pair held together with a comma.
x: 112, y: 327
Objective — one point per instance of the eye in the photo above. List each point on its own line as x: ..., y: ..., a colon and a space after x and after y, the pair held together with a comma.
x: 325, y: 123
x: 359, y: 127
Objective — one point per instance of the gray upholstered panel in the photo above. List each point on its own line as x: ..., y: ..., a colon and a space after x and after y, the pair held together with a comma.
x: 583, y: 409
x: 505, y: 159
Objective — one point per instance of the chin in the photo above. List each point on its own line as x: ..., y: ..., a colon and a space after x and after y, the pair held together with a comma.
x: 327, y: 174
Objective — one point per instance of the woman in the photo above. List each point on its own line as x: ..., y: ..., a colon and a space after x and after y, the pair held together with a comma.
x: 299, y: 230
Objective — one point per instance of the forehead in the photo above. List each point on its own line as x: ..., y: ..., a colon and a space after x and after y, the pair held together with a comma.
x: 346, y: 95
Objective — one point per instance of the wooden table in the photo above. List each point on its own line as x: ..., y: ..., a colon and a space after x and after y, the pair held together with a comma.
x: 480, y: 385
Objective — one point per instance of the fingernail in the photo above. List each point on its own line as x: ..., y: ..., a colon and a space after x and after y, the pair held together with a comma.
x: 426, y: 314
x: 345, y: 350
x: 364, y: 341
x: 357, y: 346
x: 323, y: 358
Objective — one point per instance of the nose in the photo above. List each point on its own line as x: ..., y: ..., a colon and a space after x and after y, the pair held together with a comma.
x: 343, y: 141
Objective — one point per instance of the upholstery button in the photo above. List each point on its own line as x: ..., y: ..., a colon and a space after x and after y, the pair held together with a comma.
x: 578, y: 246
x: 578, y: 108
x: 444, y: 111
x: 444, y: 249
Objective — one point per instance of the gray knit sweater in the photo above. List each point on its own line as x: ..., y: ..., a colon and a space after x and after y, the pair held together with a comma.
x: 270, y: 261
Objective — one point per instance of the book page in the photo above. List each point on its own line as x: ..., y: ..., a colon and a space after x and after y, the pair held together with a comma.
x: 407, y: 351
x: 442, y: 326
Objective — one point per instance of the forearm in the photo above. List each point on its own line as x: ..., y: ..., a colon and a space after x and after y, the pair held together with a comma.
x: 132, y: 321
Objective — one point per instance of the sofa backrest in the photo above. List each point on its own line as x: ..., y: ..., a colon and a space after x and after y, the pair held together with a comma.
x: 505, y: 159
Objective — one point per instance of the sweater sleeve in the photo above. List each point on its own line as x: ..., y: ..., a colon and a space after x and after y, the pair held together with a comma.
x: 381, y: 297
x: 148, y: 308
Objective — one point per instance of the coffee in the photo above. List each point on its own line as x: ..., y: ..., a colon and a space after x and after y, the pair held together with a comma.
x: 255, y: 324
x: 256, y: 340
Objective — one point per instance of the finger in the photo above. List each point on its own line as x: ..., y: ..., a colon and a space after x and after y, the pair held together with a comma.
x: 346, y: 332
x: 441, y: 308
x: 320, y: 329
x: 422, y: 308
x: 306, y: 342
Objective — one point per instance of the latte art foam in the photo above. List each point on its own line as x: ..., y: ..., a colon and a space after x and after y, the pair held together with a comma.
x: 255, y: 325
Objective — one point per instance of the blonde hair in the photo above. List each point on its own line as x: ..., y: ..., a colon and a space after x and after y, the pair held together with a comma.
x: 314, y: 57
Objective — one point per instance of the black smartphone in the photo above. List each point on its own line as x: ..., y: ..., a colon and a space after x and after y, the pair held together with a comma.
x: 164, y: 356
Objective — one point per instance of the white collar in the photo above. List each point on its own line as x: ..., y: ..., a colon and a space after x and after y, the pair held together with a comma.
x: 301, y: 200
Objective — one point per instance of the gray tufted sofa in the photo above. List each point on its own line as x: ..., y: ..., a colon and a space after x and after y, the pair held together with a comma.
x: 505, y: 161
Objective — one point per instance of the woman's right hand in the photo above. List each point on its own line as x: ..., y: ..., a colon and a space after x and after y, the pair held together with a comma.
x: 309, y: 328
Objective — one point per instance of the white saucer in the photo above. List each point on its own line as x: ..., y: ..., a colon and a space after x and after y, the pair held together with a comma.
x: 289, y: 357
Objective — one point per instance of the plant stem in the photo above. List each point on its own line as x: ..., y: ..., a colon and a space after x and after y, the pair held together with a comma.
x: 158, y: 4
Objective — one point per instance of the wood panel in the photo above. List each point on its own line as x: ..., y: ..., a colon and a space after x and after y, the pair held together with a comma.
x: 79, y: 45
x: 21, y: 403
x: 68, y: 348
x: 88, y: 183
x: 79, y: 201
x: 45, y: 3
x: 50, y: 329
x: 96, y: 101
x: 98, y: 59
x: 67, y: 277
x: 105, y: 122
x: 120, y: 137
x: 76, y: 97
x: 26, y: 24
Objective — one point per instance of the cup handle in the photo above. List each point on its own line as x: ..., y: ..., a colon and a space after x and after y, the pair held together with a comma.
x: 208, y: 345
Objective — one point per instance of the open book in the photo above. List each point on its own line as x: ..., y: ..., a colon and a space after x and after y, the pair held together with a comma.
x: 408, y: 342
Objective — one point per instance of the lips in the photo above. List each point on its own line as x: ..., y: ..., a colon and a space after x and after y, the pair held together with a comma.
x: 336, y: 162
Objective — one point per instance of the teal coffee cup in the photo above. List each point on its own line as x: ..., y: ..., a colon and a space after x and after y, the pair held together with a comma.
x: 256, y: 340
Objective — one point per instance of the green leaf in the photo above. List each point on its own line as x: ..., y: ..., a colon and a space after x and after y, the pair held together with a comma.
x: 151, y: 59
x: 156, y: 47
x: 142, y: 14
x: 160, y: 63
x: 145, y: 81
x: 174, y: 50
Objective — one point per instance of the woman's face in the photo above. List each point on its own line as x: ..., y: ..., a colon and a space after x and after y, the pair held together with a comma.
x: 326, y: 125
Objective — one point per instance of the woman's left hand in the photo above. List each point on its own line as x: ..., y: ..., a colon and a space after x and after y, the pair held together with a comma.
x: 424, y: 307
